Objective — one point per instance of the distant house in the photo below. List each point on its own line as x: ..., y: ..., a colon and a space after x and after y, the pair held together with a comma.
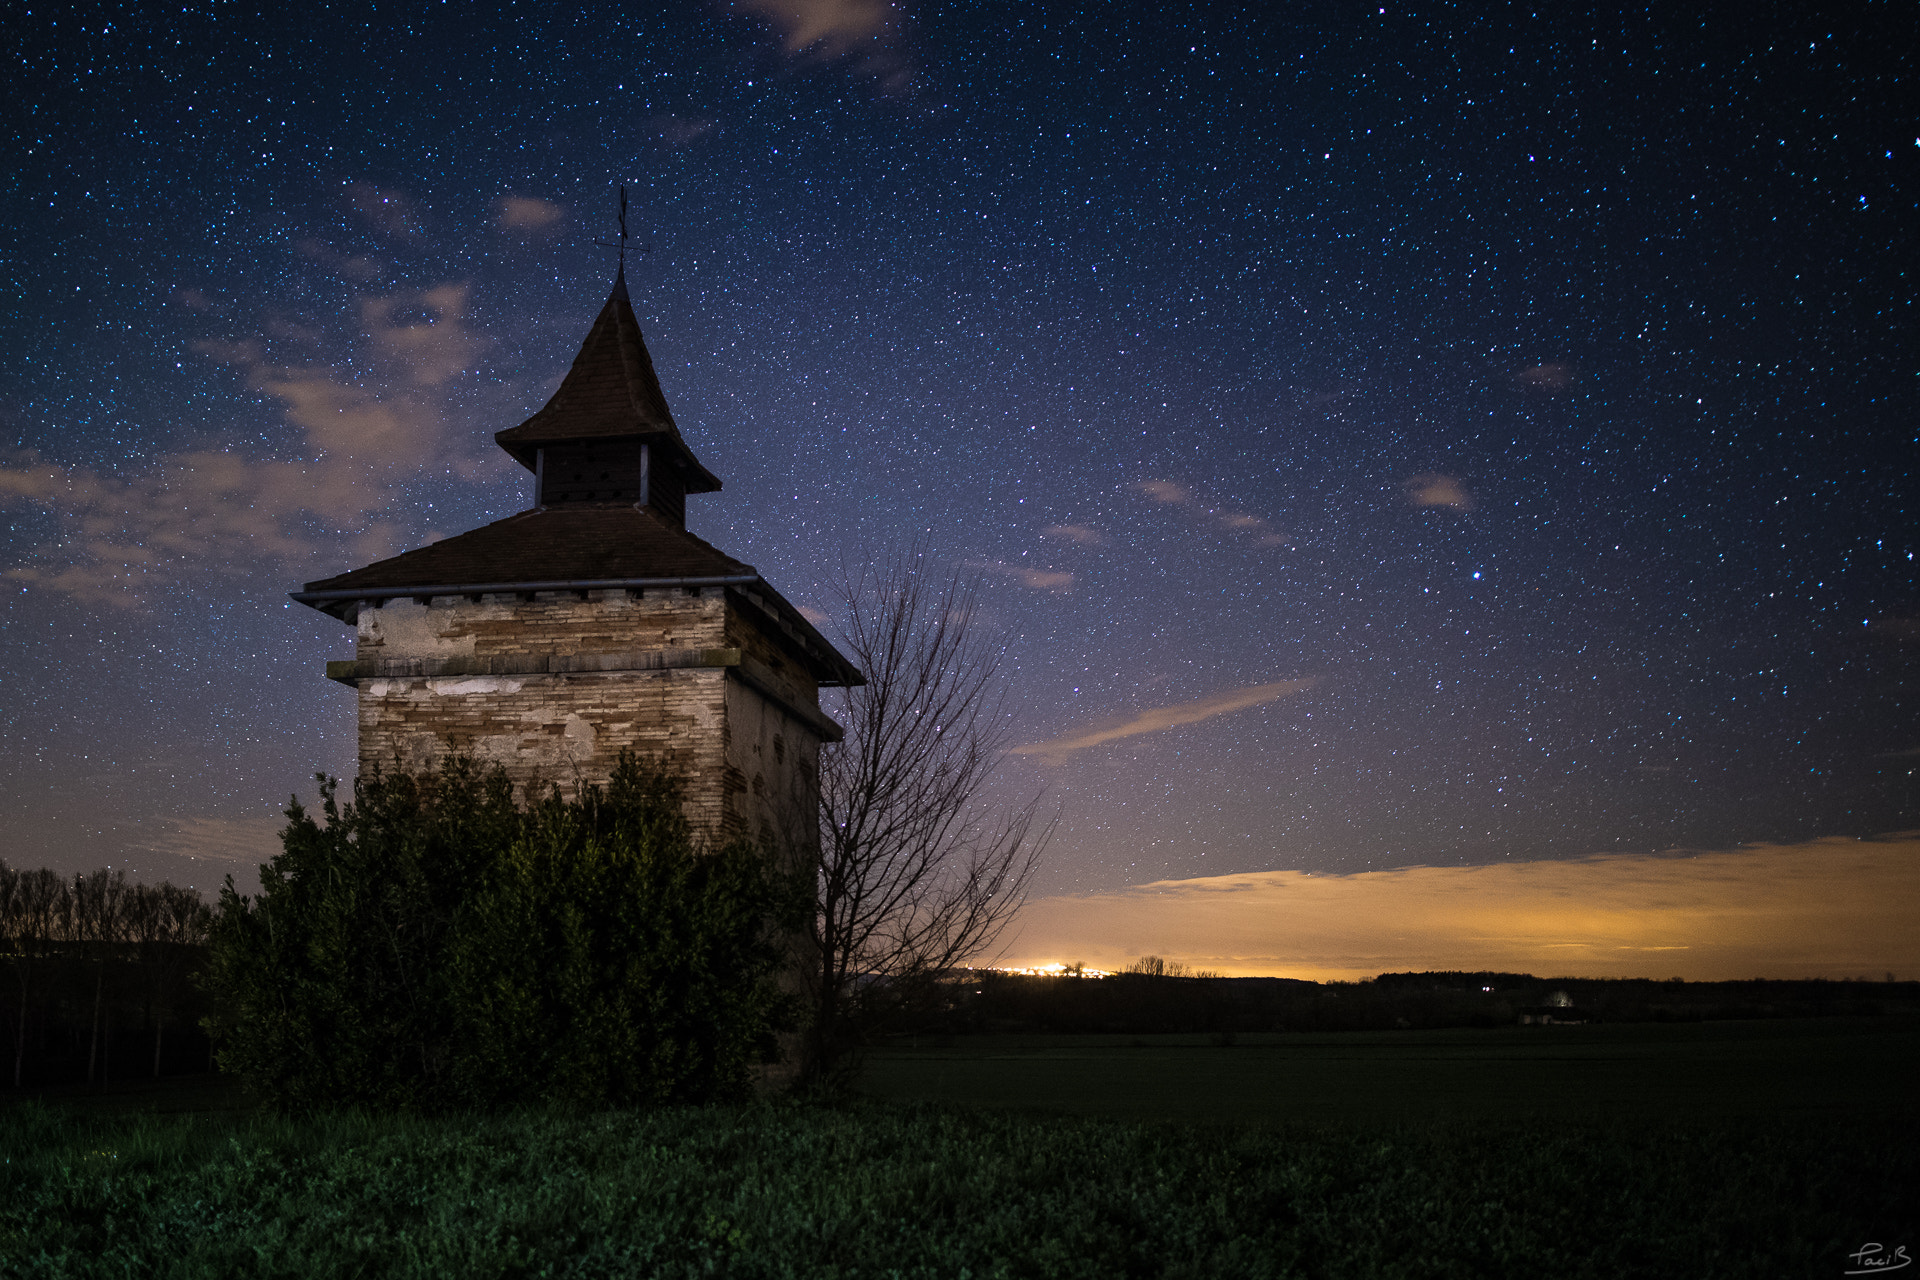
x: 1558, y: 1010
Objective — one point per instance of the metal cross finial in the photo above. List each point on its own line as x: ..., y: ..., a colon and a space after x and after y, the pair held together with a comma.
x: 621, y: 245
x: 623, y: 228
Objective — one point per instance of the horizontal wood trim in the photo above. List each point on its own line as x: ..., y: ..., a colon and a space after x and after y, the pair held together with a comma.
x: 529, y: 664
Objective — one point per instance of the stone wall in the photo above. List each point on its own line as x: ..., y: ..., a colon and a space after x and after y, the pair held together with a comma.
x: 793, y: 681
x: 774, y: 762
x: 551, y: 623
x: 450, y: 676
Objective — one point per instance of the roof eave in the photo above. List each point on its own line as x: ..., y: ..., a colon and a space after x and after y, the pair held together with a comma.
x: 524, y: 451
x: 830, y: 667
x: 340, y: 601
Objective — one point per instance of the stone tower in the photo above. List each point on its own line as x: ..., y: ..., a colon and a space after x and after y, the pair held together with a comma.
x: 549, y: 641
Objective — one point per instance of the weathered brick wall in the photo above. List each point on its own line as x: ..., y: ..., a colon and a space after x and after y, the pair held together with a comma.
x: 748, y: 767
x: 552, y: 622
x: 792, y: 680
x: 556, y: 729
x: 774, y: 762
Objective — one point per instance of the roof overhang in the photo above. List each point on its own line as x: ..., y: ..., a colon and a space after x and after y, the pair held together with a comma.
x: 525, y: 450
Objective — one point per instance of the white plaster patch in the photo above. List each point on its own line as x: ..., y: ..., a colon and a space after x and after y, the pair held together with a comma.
x: 409, y: 629
x: 475, y: 684
x: 581, y: 738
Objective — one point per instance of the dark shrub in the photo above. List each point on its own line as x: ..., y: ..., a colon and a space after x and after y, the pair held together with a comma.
x: 434, y: 945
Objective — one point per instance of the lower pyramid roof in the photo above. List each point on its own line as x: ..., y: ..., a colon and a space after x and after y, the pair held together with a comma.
x: 572, y: 548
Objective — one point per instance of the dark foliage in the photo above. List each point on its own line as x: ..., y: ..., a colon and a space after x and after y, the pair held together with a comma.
x: 434, y: 945
x: 99, y: 977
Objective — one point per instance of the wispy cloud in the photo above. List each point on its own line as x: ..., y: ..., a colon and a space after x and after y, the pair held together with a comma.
x: 350, y: 266
x: 1896, y: 631
x: 1026, y: 575
x: 423, y: 333
x: 867, y: 32
x: 243, y: 841
x: 1825, y: 908
x: 391, y: 213
x: 827, y: 26
x: 1165, y: 491
x: 1435, y: 490
x: 1079, y: 534
x: 1555, y: 375
x: 1055, y: 751
x: 1257, y: 528
x: 213, y: 509
x: 528, y: 214
x: 680, y: 131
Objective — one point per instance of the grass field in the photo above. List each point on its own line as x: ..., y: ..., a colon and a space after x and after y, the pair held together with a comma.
x: 1720, y: 1150
x: 1852, y: 1069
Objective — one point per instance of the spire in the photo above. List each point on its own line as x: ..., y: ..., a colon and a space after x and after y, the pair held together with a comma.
x: 611, y: 393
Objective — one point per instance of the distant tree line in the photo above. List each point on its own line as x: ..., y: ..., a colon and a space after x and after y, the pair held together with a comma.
x: 100, y: 976
x: 1158, y: 997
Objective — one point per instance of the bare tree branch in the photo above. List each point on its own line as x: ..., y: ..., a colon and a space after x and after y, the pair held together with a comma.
x: 915, y: 875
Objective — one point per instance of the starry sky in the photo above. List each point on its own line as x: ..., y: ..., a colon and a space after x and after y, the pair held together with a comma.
x: 1429, y: 434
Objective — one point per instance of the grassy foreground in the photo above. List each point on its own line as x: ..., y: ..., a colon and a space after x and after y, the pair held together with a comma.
x: 879, y: 1189
x: 1810, y: 1071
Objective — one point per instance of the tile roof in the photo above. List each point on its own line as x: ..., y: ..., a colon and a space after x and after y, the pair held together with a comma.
x: 576, y: 547
x: 610, y: 392
x: 575, y: 543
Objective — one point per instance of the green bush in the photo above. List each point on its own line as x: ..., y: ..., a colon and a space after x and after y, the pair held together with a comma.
x: 434, y: 945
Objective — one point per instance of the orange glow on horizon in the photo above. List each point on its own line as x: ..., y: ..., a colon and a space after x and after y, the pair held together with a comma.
x: 1832, y: 908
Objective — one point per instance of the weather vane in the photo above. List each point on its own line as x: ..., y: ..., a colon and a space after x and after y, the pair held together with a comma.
x: 622, y: 245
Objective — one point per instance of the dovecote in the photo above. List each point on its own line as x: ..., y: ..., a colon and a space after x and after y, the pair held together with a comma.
x: 594, y: 622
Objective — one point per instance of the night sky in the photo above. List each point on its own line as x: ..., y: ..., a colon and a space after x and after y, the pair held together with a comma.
x: 1441, y: 435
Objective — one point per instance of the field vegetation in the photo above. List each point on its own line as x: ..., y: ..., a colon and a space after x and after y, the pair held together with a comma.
x: 1590, y: 1152
x: 487, y: 1038
x: 1843, y: 1071
x: 875, y: 1190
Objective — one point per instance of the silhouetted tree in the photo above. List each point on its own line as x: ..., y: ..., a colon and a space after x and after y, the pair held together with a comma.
x: 166, y: 925
x: 36, y: 911
x: 95, y: 908
x: 915, y: 874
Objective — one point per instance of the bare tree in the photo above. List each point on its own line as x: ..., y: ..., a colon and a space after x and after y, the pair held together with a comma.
x: 36, y: 910
x: 164, y: 922
x: 916, y: 873
x: 98, y: 904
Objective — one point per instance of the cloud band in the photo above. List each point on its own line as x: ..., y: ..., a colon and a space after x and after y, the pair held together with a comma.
x: 1056, y: 750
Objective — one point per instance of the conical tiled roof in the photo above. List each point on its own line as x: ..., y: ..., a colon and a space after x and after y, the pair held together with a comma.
x: 610, y: 393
